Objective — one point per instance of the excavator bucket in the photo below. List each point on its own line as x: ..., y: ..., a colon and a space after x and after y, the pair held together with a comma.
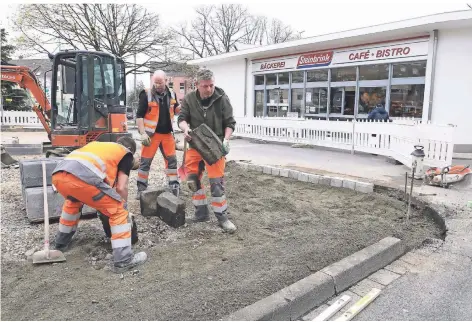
x: 7, y: 160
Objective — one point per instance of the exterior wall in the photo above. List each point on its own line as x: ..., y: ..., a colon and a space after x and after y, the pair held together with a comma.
x: 230, y: 77
x: 452, y: 92
x: 177, y: 81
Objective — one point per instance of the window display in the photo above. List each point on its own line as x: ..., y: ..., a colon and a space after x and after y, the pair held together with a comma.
x: 316, y: 100
x: 413, y: 69
x: 373, y: 72
x: 297, y: 100
x: 344, y: 74
x: 259, y: 80
x: 320, y: 75
x: 343, y: 100
x: 277, y: 102
x: 406, y: 101
x: 297, y: 77
x: 259, y: 103
x: 370, y: 97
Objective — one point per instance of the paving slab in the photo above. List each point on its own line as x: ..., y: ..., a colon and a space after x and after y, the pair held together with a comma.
x: 384, y: 277
x: 365, y: 286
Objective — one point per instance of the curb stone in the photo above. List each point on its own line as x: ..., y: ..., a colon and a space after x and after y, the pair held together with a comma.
x: 359, y: 186
x: 297, y: 299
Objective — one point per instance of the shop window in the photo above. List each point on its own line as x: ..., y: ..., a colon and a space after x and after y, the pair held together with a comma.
x: 320, y: 75
x: 345, y: 74
x: 373, y: 72
x: 406, y: 101
x: 283, y: 79
x: 343, y: 100
x: 277, y: 102
x: 370, y: 97
x: 297, y: 100
x: 297, y: 77
x: 316, y: 100
x: 259, y: 103
x: 413, y: 69
x: 259, y: 80
x: 271, y: 79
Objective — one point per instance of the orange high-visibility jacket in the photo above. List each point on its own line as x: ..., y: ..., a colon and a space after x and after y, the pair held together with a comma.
x: 97, y: 164
x: 151, y: 118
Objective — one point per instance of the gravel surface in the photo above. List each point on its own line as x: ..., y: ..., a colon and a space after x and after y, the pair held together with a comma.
x: 286, y: 230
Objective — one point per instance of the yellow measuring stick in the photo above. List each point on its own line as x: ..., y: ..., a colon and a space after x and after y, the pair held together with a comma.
x: 359, y: 305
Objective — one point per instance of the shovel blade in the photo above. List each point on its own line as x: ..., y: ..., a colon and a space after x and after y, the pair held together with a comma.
x: 51, y: 256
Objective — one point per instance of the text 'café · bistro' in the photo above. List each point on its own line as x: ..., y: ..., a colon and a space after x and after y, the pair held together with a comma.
x: 418, y: 68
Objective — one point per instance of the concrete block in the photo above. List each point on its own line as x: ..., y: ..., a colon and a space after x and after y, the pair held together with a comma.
x: 365, y: 286
x: 303, y: 177
x: 399, y: 267
x: 283, y: 173
x: 336, y: 182
x: 293, y: 174
x: 349, y: 184
x: 34, y: 201
x: 326, y: 181
x: 314, y: 178
x: 384, y: 277
x: 207, y: 143
x: 275, y: 171
x: 361, y: 264
x: 255, y: 167
x: 364, y: 187
x: 23, y: 149
x: 291, y: 302
x: 267, y: 169
x: 148, y: 201
x: 31, y: 173
x: 171, y: 209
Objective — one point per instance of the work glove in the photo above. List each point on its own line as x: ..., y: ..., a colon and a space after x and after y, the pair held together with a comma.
x: 145, y: 139
x: 225, y: 146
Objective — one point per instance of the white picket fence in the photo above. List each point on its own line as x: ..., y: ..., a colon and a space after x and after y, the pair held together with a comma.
x: 391, y: 139
x: 20, y: 118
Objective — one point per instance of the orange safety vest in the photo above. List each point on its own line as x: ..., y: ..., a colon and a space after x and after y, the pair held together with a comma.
x: 102, y: 158
x: 151, y: 118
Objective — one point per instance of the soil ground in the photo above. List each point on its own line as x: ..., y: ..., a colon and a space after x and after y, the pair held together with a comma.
x: 286, y: 230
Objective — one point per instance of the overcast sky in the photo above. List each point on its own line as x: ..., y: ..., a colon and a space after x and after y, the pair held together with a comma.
x: 312, y: 17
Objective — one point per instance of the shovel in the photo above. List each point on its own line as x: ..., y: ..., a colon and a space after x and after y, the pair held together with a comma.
x: 182, y: 172
x: 46, y: 255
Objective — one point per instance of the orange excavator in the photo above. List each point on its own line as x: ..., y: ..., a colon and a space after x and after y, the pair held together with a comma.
x: 88, y: 99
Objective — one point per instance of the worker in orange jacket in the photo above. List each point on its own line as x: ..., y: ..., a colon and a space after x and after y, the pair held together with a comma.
x: 154, y: 117
x: 97, y: 175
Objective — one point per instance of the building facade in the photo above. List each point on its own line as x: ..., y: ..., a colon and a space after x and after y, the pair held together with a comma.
x: 418, y: 68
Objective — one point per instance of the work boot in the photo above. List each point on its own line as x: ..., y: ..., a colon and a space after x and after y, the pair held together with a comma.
x: 138, y: 259
x: 225, y: 223
x: 138, y: 195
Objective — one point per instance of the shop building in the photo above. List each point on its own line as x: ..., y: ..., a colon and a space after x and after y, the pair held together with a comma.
x: 418, y: 68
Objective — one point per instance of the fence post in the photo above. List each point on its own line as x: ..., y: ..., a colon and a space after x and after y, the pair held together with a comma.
x: 353, y: 135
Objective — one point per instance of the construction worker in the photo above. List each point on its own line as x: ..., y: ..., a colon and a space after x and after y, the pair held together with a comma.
x: 97, y: 175
x: 209, y: 105
x: 154, y: 118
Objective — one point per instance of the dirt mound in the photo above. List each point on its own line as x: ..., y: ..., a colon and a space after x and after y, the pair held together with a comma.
x: 286, y: 230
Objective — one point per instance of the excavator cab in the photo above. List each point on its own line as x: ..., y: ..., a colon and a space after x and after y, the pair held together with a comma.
x: 88, y: 98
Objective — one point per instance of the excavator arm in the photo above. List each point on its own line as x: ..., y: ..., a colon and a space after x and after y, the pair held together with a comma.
x: 26, y: 80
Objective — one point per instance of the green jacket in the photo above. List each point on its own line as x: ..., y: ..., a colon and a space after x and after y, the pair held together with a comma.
x: 218, y: 116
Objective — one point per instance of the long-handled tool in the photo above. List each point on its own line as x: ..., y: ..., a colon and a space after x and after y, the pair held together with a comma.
x: 182, y: 172
x: 47, y: 255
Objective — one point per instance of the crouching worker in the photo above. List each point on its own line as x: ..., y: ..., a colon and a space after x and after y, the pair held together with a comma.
x: 97, y: 175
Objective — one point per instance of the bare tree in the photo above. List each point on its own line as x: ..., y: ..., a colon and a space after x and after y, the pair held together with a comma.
x: 120, y: 29
x: 215, y: 30
x: 278, y: 32
x: 224, y: 28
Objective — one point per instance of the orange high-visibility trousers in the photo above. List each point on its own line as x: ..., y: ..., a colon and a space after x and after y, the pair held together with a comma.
x: 77, y: 193
x: 166, y: 143
x: 195, y: 165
